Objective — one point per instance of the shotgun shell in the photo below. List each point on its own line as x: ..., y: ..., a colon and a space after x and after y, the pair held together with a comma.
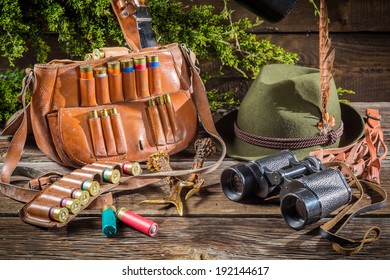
x: 153, y: 61
x: 127, y: 65
x: 111, y: 175
x: 113, y: 67
x: 140, y: 63
x: 82, y: 196
x: 167, y: 99
x: 88, y: 57
x: 73, y: 205
x: 160, y: 100
x: 98, y: 54
x: 92, y: 187
x: 59, y: 214
x: 113, y: 111
x: 137, y: 222
x: 109, y: 220
x: 86, y: 71
x: 104, y: 113
x: 100, y: 72
x: 132, y: 168
x: 151, y: 102
x: 94, y: 114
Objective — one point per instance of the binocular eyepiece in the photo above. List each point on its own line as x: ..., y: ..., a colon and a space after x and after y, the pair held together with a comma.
x: 264, y: 177
x: 308, y: 191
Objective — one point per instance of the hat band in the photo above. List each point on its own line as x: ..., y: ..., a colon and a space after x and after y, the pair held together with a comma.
x: 289, y: 143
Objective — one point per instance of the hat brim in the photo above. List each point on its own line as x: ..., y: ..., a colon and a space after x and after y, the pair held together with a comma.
x: 238, y: 149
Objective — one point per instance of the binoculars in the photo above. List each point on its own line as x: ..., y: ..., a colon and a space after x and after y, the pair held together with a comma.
x: 307, y: 191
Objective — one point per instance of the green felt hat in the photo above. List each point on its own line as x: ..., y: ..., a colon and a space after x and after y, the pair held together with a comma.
x: 283, y: 105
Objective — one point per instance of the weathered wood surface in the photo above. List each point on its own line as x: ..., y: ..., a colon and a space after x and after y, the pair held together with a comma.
x: 212, y: 226
x: 183, y: 238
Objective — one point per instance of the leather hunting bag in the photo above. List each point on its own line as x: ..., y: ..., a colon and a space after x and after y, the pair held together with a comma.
x: 61, y: 111
x: 77, y: 121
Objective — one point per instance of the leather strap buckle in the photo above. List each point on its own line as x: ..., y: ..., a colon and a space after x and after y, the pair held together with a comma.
x: 43, y: 181
x: 127, y: 7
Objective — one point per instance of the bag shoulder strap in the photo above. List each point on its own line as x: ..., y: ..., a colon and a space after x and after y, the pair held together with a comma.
x: 124, y: 11
x: 331, y: 229
x: 18, y: 141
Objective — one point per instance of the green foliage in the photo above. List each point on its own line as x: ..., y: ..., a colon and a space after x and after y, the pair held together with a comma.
x: 10, y: 87
x: 224, y: 100
x: 81, y: 26
x: 341, y: 92
x: 316, y: 10
x: 12, y: 31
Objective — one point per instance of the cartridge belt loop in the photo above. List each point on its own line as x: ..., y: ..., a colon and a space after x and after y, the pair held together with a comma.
x: 44, y: 181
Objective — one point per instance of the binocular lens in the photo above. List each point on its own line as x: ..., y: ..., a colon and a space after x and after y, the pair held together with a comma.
x: 300, y: 209
x: 237, y: 185
x: 234, y: 184
x: 248, y: 179
x: 306, y: 200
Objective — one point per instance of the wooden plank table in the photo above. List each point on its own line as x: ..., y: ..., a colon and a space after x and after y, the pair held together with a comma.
x: 212, y: 226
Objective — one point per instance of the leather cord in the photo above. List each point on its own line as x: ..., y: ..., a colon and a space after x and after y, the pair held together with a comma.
x: 331, y: 229
x: 289, y: 143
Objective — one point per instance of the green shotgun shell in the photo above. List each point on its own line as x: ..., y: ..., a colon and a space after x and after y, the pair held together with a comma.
x: 93, y: 187
x: 109, y: 220
x: 111, y: 175
x: 59, y: 214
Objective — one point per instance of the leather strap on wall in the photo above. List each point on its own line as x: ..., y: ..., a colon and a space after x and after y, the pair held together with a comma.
x: 331, y: 229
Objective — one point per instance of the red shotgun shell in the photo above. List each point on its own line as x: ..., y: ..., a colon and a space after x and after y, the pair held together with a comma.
x: 137, y: 222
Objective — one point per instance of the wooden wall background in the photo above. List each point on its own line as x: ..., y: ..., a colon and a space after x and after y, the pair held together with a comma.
x: 360, y: 31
